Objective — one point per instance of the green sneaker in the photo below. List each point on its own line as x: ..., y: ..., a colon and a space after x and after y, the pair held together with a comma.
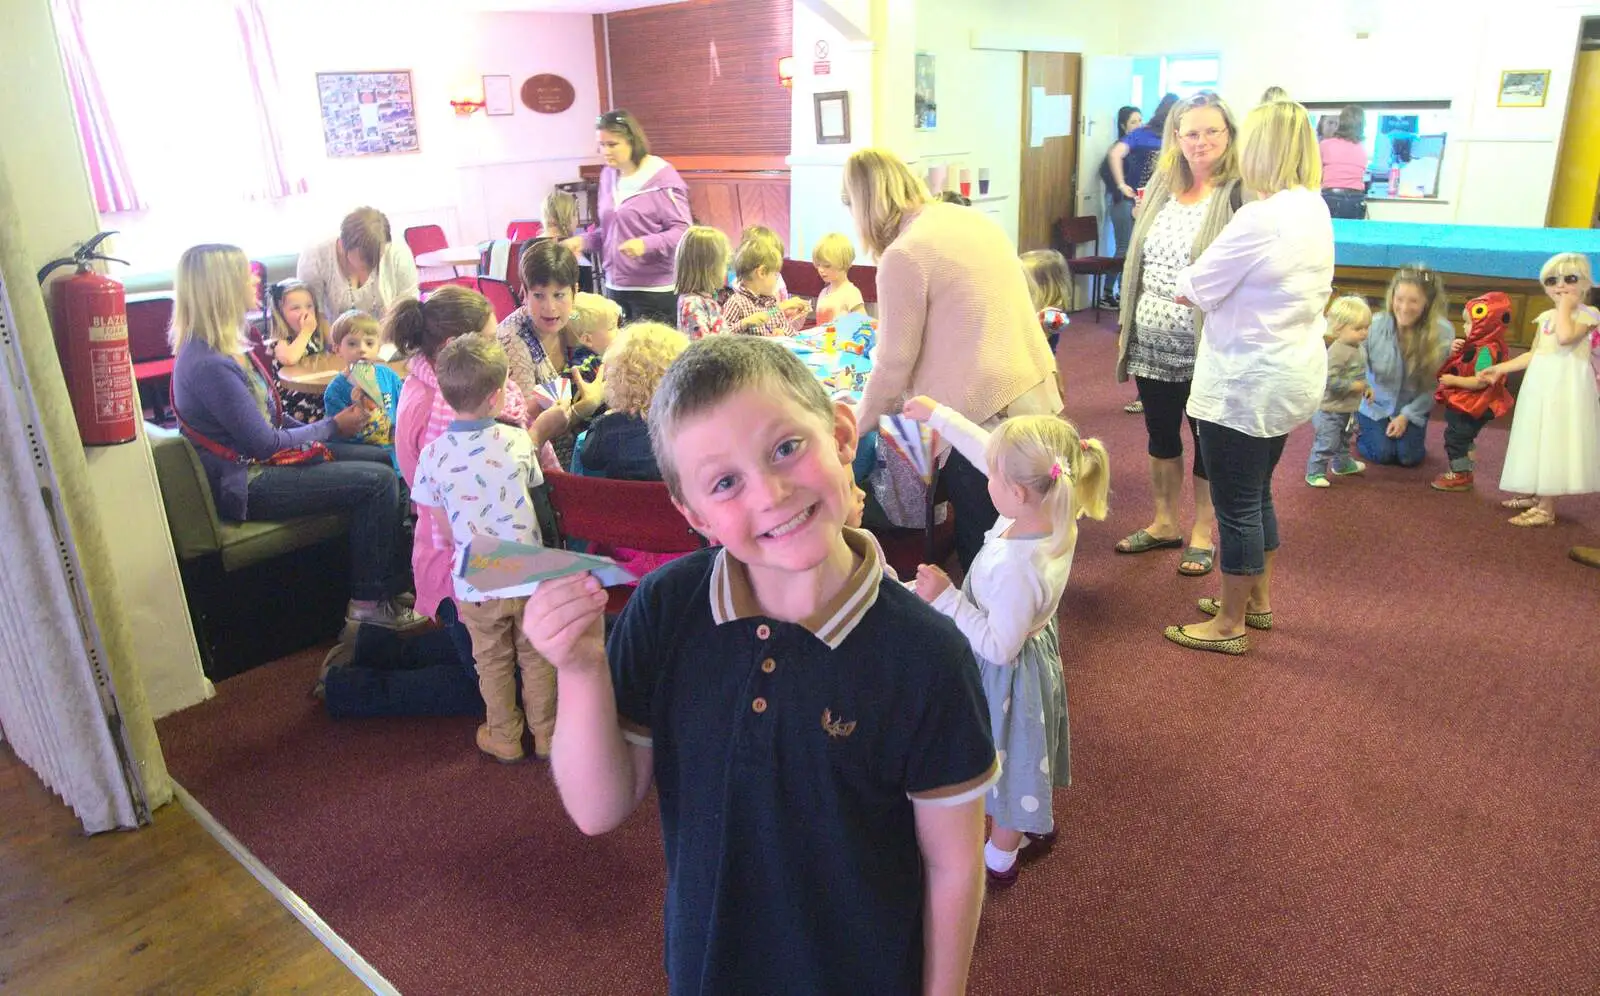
x: 1348, y: 466
x: 1318, y: 480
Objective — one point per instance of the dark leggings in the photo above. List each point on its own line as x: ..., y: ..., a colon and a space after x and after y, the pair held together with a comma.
x: 1241, y: 489
x: 1164, y: 414
x: 646, y: 306
x: 968, y: 490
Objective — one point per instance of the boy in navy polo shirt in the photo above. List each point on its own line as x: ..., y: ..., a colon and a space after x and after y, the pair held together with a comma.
x: 818, y: 738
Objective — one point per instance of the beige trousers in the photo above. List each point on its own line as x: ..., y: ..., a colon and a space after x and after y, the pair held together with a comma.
x: 498, y: 649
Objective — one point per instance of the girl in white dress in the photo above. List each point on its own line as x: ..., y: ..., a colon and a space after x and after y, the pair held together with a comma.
x: 1555, y: 434
x: 1042, y: 479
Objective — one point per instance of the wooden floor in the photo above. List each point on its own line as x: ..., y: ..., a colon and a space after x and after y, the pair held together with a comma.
x: 159, y: 910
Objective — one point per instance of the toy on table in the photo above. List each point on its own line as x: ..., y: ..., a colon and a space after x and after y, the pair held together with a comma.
x: 853, y: 333
x: 503, y: 569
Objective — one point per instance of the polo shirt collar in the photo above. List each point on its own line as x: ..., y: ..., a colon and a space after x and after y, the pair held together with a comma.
x: 732, y: 598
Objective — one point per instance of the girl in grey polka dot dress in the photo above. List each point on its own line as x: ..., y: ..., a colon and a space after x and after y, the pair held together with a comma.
x: 1042, y: 478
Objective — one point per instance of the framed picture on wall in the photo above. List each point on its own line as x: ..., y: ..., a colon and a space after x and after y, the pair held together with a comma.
x: 1524, y: 87
x: 497, y: 100
x: 927, y: 98
x: 367, y: 113
x: 833, y: 117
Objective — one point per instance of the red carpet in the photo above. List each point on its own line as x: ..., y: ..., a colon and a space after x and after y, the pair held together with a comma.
x: 1398, y: 790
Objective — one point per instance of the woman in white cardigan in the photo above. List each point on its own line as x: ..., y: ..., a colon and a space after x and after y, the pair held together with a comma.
x: 1263, y: 285
x: 364, y: 268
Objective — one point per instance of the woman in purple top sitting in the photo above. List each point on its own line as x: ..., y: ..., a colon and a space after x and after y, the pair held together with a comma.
x: 262, y: 464
x: 644, y: 211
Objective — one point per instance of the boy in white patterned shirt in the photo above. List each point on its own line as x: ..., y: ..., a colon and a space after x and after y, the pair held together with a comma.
x: 475, y: 479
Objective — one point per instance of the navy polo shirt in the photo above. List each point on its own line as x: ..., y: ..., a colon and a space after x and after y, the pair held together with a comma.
x: 788, y: 759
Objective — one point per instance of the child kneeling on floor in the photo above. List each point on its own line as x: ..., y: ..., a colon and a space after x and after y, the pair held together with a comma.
x: 474, y: 479
x: 1043, y: 478
x: 815, y: 733
x: 1349, y: 318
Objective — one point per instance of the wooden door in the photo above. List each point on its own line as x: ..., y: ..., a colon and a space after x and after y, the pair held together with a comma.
x: 1048, y: 189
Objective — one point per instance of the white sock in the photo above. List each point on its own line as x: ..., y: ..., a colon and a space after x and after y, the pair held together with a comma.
x: 998, y: 860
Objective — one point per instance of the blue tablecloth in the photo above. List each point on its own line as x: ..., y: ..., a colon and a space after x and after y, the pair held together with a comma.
x: 1479, y: 250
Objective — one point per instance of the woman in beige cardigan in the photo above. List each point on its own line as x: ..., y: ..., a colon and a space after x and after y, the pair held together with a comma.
x: 955, y: 321
x: 1191, y: 197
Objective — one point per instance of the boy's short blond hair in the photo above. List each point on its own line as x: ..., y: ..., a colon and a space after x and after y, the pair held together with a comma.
x: 590, y: 314
x: 835, y: 250
x: 636, y: 362
x: 717, y: 367
x: 1348, y: 312
x: 353, y: 322
x: 470, y: 368
x: 759, y: 249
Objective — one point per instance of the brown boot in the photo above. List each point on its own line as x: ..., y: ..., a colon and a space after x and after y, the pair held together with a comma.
x: 505, y: 749
x: 1588, y: 556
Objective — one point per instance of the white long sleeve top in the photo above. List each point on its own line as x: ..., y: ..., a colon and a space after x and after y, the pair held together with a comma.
x: 1263, y: 284
x: 1016, y: 583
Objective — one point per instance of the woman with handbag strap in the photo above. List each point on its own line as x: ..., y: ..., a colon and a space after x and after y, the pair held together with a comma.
x: 262, y: 464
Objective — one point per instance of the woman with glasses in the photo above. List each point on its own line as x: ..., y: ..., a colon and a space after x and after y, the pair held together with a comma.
x: 1406, y: 346
x: 1191, y: 197
x: 1261, y: 366
x: 644, y: 211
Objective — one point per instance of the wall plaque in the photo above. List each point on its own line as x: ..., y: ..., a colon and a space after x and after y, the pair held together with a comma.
x: 547, y: 93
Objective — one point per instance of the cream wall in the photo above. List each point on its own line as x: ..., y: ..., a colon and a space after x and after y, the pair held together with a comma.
x: 114, y: 512
x: 1499, y: 162
x: 472, y: 175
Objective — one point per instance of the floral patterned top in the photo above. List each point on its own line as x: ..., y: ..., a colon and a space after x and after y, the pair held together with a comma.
x: 307, y: 408
x: 699, y: 315
x: 1163, y: 344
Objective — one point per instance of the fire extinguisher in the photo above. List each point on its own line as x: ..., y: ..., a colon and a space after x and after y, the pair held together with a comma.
x: 91, y: 325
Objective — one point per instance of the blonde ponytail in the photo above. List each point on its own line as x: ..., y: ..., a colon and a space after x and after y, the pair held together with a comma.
x: 1046, y: 455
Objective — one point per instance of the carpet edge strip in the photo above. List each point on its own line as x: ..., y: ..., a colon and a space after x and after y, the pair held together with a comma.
x: 291, y: 901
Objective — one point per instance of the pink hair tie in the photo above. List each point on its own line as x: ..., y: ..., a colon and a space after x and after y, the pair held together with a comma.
x: 1055, y: 471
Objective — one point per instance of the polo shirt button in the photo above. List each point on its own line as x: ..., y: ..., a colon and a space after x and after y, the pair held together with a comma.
x: 763, y: 632
x: 759, y: 705
x: 769, y: 665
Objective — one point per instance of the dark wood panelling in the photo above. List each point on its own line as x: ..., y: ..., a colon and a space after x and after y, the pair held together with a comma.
x: 1527, y: 300
x: 1050, y: 171
x: 702, y: 77
x: 734, y: 201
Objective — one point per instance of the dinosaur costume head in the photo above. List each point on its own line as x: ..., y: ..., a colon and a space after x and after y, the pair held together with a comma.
x: 1488, y: 316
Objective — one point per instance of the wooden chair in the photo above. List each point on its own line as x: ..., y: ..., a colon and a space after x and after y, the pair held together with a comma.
x: 524, y: 229
x: 499, y: 294
x: 1070, y: 233
x: 637, y: 515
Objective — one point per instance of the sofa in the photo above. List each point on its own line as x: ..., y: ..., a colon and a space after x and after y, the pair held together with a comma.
x: 256, y: 591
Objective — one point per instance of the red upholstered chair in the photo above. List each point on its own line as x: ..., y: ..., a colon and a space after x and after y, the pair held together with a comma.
x: 524, y: 229
x: 638, y: 515
x: 499, y: 294
x: 800, y: 277
x: 427, y: 238
x: 866, y: 280
x: 470, y: 283
x: 1070, y: 233
x: 148, y: 320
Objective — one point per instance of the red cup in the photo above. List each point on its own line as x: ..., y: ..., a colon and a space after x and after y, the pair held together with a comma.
x: 966, y: 188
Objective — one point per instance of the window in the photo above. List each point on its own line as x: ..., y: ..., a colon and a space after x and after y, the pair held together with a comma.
x: 1405, y: 144
x: 1154, y: 76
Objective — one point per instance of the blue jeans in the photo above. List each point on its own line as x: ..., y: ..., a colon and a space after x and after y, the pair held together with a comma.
x: 1332, y: 445
x: 1121, y: 214
x: 1240, y: 471
x: 1346, y: 203
x: 1372, y: 443
x: 368, y: 492
x: 429, y: 674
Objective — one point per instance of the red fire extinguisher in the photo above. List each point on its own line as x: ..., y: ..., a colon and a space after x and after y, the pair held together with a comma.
x: 91, y: 325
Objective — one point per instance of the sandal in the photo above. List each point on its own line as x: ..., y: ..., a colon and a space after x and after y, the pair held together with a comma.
x: 1520, y: 503
x: 1255, y: 620
x: 1233, y: 646
x: 1143, y: 542
x: 1533, y: 517
x: 1207, y: 558
x: 1134, y: 407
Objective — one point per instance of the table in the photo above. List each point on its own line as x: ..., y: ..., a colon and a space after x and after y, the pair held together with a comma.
x: 451, y: 256
x: 1471, y: 259
x: 313, y: 375
x: 842, y: 372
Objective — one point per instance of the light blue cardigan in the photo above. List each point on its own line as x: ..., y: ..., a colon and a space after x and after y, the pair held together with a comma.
x: 1393, y: 392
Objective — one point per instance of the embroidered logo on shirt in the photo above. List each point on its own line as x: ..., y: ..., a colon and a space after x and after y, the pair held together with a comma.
x: 836, y: 728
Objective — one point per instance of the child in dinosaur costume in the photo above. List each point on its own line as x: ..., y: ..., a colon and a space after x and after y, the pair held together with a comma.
x: 1469, y: 400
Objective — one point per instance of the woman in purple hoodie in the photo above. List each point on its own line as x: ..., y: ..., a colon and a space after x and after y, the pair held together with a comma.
x: 644, y: 211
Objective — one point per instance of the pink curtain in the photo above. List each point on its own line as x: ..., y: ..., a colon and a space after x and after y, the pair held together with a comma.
x: 277, y: 178
x: 108, y: 174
